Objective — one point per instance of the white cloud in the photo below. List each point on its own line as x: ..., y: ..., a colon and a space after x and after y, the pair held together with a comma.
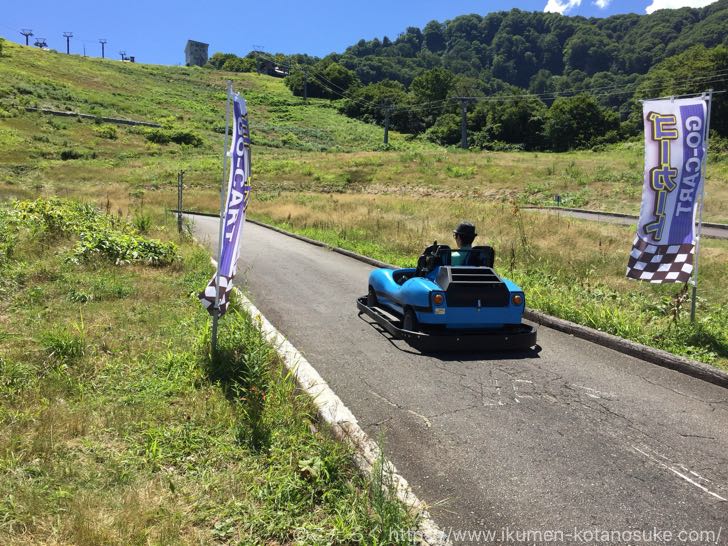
x: 562, y: 6
x: 602, y: 4
x: 673, y: 4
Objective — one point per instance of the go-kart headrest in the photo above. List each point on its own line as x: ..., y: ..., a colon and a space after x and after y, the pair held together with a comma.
x: 481, y: 256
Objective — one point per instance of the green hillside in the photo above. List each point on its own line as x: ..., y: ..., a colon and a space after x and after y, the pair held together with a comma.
x: 297, y: 146
x: 527, y: 76
x: 69, y: 155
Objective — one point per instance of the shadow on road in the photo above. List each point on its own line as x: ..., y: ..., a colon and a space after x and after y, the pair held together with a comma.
x: 402, y: 346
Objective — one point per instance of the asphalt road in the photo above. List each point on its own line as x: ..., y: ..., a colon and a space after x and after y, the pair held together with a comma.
x: 707, y: 231
x: 573, y: 438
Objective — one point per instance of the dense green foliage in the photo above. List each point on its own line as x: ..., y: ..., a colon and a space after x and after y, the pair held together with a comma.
x: 331, y: 80
x: 526, y: 58
x: 99, y: 235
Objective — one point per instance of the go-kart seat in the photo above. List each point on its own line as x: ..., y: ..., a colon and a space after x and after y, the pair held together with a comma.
x: 434, y: 256
x: 481, y: 256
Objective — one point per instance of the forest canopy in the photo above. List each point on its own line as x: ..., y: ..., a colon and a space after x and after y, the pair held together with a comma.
x: 532, y: 80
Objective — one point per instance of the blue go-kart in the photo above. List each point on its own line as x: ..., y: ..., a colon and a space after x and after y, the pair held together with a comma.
x: 440, y: 307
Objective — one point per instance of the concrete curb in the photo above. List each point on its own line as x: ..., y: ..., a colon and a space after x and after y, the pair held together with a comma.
x: 344, y: 425
x: 612, y: 214
x: 342, y: 422
x: 662, y: 358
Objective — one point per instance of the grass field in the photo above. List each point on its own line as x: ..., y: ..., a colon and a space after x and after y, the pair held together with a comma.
x: 318, y: 171
x: 297, y: 147
x: 118, y: 427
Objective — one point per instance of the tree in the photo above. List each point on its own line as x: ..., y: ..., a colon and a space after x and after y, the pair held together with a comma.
x: 692, y: 71
x: 590, y: 52
x: 240, y: 65
x: 433, y: 85
x: 434, y: 36
x: 371, y: 102
x: 513, y: 120
x: 218, y: 59
x: 577, y: 122
x: 326, y: 80
x: 446, y: 130
x: 542, y: 82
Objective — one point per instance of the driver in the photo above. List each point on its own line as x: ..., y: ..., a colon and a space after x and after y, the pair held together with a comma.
x: 464, y: 237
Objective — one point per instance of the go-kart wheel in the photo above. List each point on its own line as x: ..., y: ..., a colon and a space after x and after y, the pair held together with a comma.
x: 409, y: 322
x: 371, y: 297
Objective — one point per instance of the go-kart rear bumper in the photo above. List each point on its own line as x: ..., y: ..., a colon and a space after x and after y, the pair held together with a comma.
x: 514, y: 338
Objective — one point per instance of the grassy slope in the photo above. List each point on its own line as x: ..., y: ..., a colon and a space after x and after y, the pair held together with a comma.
x: 313, y: 149
x: 298, y: 147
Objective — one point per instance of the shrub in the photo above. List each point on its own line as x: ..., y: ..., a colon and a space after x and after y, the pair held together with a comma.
x: 181, y: 136
x: 123, y: 248
x: 178, y: 136
x: 106, y: 131
x: 70, y: 154
x: 99, y: 234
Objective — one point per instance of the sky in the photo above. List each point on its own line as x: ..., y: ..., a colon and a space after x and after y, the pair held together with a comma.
x: 156, y: 31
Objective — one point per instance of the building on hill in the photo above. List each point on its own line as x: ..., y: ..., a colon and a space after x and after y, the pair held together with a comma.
x: 196, y: 53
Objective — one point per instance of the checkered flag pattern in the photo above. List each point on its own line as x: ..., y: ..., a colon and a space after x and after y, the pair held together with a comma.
x: 208, y: 296
x: 660, y: 263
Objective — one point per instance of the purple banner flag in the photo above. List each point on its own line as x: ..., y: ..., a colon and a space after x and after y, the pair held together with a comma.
x: 238, y: 196
x: 675, y: 152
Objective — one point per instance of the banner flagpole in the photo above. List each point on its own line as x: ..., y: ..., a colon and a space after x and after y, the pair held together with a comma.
x: 223, y: 192
x: 694, y: 280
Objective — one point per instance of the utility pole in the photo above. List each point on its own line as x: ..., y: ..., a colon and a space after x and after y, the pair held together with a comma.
x: 305, y: 86
x: 123, y: 55
x: 387, y: 113
x: 68, y: 36
x: 464, y: 122
x: 180, y: 185
x: 27, y: 33
x: 102, y: 41
x: 41, y: 43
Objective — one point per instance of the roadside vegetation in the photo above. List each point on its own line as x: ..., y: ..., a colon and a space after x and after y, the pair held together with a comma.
x: 118, y: 427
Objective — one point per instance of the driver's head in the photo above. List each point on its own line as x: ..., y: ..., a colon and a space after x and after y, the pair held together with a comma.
x: 464, y: 234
